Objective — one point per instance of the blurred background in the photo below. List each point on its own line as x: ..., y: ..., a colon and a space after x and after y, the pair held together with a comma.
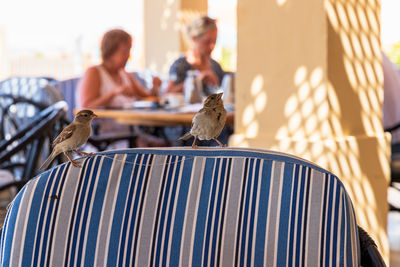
x: 60, y: 39
x: 390, y: 29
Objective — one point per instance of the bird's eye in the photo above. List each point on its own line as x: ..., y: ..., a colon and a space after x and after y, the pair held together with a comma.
x: 85, y: 115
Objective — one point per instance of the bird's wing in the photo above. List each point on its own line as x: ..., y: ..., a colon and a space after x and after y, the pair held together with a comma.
x: 204, y: 112
x: 203, y: 119
x: 65, y: 134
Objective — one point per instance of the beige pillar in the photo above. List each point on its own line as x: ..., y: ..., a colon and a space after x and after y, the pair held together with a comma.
x: 309, y: 82
x: 163, y: 21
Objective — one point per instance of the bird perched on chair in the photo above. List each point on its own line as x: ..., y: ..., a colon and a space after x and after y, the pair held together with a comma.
x: 208, y: 123
x: 72, y: 137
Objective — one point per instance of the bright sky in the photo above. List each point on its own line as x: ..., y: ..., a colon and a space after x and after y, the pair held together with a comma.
x: 58, y: 24
x: 74, y: 27
x: 390, y: 21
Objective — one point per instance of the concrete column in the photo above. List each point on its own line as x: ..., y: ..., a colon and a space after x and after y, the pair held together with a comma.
x: 309, y: 82
x: 163, y: 21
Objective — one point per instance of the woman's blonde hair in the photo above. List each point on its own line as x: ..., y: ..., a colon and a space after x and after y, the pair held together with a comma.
x: 200, y: 26
x: 111, y: 41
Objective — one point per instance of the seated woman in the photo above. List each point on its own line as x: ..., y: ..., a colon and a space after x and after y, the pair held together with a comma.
x: 109, y: 85
x: 202, y: 33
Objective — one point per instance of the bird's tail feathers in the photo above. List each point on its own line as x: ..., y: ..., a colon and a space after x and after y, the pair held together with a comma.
x: 47, y: 162
x: 185, y: 136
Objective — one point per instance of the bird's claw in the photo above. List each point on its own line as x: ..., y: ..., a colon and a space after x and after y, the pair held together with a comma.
x: 83, y: 153
x: 195, y: 146
x: 76, y: 164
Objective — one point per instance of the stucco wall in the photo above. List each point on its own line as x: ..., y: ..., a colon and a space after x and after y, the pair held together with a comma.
x: 309, y: 82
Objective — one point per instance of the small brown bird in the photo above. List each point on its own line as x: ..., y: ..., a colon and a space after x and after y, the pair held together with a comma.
x: 208, y: 123
x: 72, y: 137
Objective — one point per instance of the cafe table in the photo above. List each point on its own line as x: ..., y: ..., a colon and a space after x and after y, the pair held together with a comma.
x: 154, y: 117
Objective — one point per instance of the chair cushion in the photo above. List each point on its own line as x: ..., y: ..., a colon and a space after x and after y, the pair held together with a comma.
x: 181, y: 207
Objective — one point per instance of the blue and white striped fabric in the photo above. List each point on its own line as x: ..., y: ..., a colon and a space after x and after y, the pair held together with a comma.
x: 182, y: 207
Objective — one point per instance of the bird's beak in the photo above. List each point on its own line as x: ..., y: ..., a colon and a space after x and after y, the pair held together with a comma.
x: 219, y: 96
x: 94, y: 115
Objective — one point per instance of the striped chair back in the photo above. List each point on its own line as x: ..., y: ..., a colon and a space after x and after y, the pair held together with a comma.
x: 182, y: 207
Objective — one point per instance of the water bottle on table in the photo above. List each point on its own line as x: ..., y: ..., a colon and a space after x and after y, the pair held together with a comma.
x: 193, y: 88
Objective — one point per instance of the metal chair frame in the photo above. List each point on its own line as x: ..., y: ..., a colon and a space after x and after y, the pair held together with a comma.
x: 29, y: 139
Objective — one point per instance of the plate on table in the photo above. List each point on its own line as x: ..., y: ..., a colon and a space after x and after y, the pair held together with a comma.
x: 142, y: 104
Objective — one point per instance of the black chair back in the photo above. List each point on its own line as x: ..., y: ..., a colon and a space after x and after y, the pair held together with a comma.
x: 21, y: 100
x: 38, y: 89
x: 21, y: 152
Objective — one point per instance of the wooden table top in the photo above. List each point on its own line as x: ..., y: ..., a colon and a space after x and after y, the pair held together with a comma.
x: 157, y: 117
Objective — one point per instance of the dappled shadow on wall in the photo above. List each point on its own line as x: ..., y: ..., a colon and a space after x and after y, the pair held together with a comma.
x: 334, y: 116
x: 357, y: 77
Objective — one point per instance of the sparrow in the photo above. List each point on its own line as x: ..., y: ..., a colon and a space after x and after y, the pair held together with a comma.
x: 208, y: 123
x: 72, y: 137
